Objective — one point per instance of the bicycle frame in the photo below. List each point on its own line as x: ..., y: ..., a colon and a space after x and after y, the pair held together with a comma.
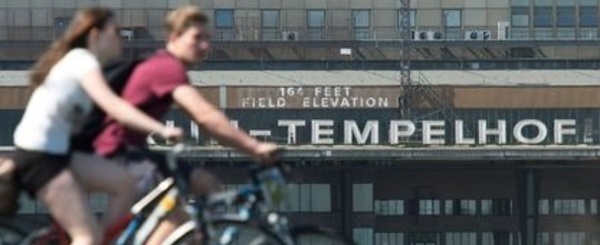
x: 139, y: 224
x: 255, y: 205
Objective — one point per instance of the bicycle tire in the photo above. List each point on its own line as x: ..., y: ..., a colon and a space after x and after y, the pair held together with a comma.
x: 11, y: 234
x: 315, y: 235
x: 247, y: 234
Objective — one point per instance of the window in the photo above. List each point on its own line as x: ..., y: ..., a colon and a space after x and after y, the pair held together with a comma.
x: 496, y: 238
x: 449, y: 207
x: 460, y: 207
x: 588, y: 131
x: 320, y: 195
x: 361, y: 21
x: 429, y: 207
x: 487, y: 238
x: 425, y: 238
x: 588, y: 2
x: 389, y: 207
x: 452, y: 22
x: 60, y: 25
x: 316, y: 18
x: 502, y: 207
x: 461, y: 238
x: 543, y: 2
x: 224, y: 23
x: 270, y: 19
x: 520, y: 2
x: 362, y: 197
x: 565, y: 17
x: 544, y: 206
x: 224, y: 18
x: 569, y: 238
x: 307, y: 198
x: 496, y: 207
x: 452, y: 17
x: 468, y: 207
x: 316, y: 24
x: 542, y: 17
x: 565, y: 3
x: 363, y: 236
x: 361, y: 18
x: 520, y: 17
x: 569, y: 207
x: 270, y: 24
x: 594, y: 206
x: 588, y: 16
x: 389, y: 238
x: 486, y: 207
x: 543, y: 238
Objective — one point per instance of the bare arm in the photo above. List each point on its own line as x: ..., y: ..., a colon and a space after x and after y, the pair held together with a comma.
x: 97, y: 88
x: 213, y: 121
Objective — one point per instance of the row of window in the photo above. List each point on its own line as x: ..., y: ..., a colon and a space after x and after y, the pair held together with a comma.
x: 301, y: 198
x: 468, y: 207
x: 496, y: 207
x: 366, y: 236
x: 568, y: 206
x: 554, y: 2
x: 315, y: 18
x: 566, y: 19
x: 583, y: 16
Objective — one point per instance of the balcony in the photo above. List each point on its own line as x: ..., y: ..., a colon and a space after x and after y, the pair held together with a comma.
x: 376, y: 43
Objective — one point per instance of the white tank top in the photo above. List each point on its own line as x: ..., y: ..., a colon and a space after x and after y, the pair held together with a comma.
x: 58, y: 107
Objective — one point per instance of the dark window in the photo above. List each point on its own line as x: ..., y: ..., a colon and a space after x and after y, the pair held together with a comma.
x: 565, y: 17
x: 316, y: 18
x: 520, y: 17
x: 588, y: 16
x: 542, y: 17
x: 224, y: 18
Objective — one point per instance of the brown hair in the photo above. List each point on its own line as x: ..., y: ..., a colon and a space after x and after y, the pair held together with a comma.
x: 75, y: 36
x: 180, y: 19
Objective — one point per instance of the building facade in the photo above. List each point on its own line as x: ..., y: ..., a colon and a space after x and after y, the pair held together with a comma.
x: 316, y: 30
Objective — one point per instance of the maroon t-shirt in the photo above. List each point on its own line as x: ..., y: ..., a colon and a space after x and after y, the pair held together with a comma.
x: 149, y: 88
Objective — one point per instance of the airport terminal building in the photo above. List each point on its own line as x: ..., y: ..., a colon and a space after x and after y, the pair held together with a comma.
x: 501, y: 146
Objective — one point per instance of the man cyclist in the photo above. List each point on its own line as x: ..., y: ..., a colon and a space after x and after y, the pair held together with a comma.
x: 159, y: 81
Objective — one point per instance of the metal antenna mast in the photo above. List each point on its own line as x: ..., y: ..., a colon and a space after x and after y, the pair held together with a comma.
x: 406, y: 97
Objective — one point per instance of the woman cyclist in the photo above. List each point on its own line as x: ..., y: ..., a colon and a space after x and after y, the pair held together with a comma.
x: 67, y: 81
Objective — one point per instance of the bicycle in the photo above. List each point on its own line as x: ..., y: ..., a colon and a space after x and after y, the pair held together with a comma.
x: 215, y: 227
x: 134, y: 228
x: 255, y: 221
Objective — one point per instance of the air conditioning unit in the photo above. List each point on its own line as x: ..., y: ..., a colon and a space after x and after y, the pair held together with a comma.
x: 127, y: 34
x: 289, y: 36
x: 427, y: 35
x: 435, y: 35
x: 503, y: 30
x: 478, y: 35
x: 420, y: 35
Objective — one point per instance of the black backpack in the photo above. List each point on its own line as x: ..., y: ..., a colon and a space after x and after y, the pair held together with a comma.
x: 117, y: 74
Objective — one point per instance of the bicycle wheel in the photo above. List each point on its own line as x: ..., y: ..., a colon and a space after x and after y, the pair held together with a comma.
x: 312, y: 235
x: 11, y: 234
x: 225, y: 232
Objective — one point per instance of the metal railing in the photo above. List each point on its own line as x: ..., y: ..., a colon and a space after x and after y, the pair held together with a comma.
x: 299, y: 33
